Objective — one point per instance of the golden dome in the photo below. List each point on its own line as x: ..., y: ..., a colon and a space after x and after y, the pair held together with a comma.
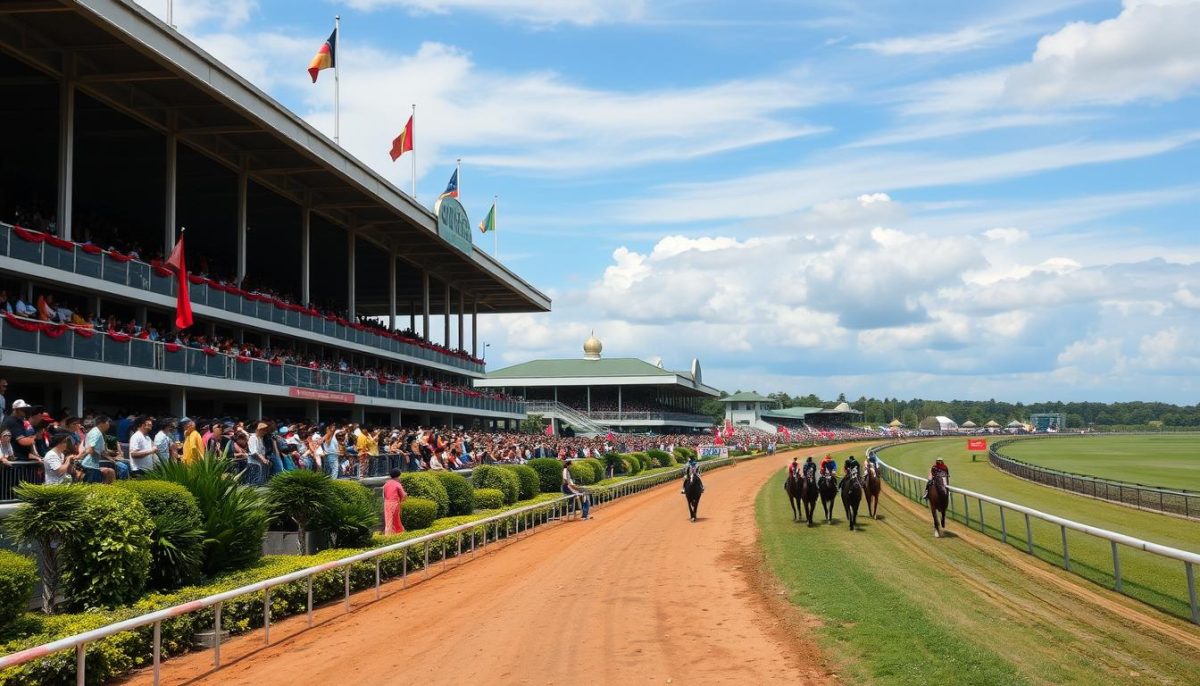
x: 592, y: 347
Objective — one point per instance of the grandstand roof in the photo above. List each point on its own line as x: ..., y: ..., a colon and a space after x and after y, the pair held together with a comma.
x: 802, y: 412
x: 128, y: 59
x: 605, y: 371
x: 746, y: 397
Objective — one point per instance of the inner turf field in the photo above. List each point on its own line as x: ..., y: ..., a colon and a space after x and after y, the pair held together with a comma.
x: 1169, y: 461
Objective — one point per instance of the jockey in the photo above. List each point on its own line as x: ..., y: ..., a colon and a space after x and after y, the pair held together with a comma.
x: 794, y: 468
x: 810, y: 467
x: 938, y: 467
x: 852, y: 466
x: 873, y: 459
x: 691, y: 471
x: 828, y: 465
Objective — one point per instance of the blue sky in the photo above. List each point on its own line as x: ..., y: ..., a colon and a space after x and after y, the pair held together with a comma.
x: 965, y: 200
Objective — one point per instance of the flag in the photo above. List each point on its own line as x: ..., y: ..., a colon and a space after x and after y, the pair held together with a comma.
x: 550, y: 428
x: 324, y: 59
x: 489, y: 222
x: 609, y: 437
x: 183, y: 302
x: 404, y: 142
x: 452, y: 187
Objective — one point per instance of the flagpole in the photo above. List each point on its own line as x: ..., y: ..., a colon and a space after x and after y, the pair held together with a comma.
x: 414, y: 151
x: 495, y: 226
x: 337, y: 69
x: 458, y: 177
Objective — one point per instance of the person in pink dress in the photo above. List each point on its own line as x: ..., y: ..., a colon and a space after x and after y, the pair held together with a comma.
x: 393, y: 496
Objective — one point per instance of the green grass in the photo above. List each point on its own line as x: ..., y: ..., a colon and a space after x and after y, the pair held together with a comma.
x: 1169, y: 461
x: 897, y: 606
x: 1150, y: 578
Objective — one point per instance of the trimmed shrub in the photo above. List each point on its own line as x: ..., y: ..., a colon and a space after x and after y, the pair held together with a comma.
x: 426, y: 485
x: 598, y: 469
x: 549, y: 473
x: 235, y: 515
x: 489, y: 498
x: 351, y: 516
x: 460, y: 492
x: 18, y: 574
x: 107, y: 561
x: 660, y: 458
x: 683, y: 453
x: 489, y: 476
x: 643, y: 460
x: 302, y: 496
x: 582, y: 474
x: 633, y: 465
x: 529, y: 483
x: 418, y: 513
x: 177, y: 541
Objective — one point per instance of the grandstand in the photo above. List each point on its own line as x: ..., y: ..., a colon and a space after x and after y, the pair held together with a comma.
x: 595, y: 395
x: 755, y: 412
x: 317, y: 286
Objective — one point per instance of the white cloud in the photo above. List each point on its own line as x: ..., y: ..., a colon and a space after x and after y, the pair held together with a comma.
x: 189, y: 16
x: 583, y: 12
x: 1185, y: 298
x: 967, y: 38
x: 1006, y: 236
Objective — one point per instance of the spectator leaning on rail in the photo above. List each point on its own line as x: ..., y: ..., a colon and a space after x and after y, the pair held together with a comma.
x: 22, y: 431
x: 569, y: 488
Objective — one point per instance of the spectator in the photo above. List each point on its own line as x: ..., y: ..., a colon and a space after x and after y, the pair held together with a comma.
x: 166, y: 448
x: 193, y: 447
x: 393, y: 499
x: 141, y: 447
x: 3, y: 387
x: 217, y: 442
x: 21, y: 430
x: 333, y: 450
x: 6, y: 447
x: 95, y: 449
x: 59, y: 459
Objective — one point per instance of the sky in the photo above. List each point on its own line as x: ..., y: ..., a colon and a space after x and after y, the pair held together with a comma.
x: 891, y: 198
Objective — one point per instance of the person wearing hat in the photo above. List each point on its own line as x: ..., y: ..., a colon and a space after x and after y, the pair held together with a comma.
x: 939, y: 467
x: 22, y: 432
x: 193, y: 446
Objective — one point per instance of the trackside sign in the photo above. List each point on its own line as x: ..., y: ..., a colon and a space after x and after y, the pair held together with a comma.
x: 705, y: 452
x: 976, y: 445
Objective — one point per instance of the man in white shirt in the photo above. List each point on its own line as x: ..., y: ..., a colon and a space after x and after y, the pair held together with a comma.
x: 57, y: 461
x: 141, y: 448
x: 257, y: 464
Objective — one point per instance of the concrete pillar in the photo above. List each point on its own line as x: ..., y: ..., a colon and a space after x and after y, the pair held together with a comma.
x: 312, y: 411
x: 72, y: 395
x: 94, y: 304
x: 243, y: 189
x: 462, y: 308
x: 618, y: 400
x: 171, y: 175
x: 179, y: 402
x: 425, y: 306
x: 412, y: 315
x: 350, y: 273
x: 394, y: 417
x: 140, y: 314
x: 357, y: 415
x: 446, y: 334
x: 66, y: 148
x: 212, y: 330
x: 475, y: 327
x: 589, y: 398
x: 305, y: 255
x: 392, y: 290
x: 254, y: 408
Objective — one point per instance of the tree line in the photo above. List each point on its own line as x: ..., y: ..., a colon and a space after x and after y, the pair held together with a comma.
x: 880, y: 411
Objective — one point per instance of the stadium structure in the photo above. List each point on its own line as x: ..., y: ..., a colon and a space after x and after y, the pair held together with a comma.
x: 121, y: 131
x: 595, y: 394
x: 1048, y: 422
x: 754, y: 411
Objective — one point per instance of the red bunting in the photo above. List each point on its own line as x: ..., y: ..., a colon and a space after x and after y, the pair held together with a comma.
x: 90, y: 249
x: 27, y: 235
x: 172, y: 347
x: 54, y: 330
x: 211, y: 352
x: 84, y: 331
x: 59, y: 242
x: 119, y: 337
x: 243, y: 359
x: 22, y: 324
x: 119, y: 257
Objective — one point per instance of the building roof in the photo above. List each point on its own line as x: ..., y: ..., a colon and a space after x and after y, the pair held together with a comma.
x: 802, y: 412
x: 606, y: 371
x: 746, y: 397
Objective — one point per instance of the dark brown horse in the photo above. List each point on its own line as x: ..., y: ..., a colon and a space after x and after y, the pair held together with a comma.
x: 792, y: 487
x: 852, y: 491
x: 827, y: 487
x: 693, y: 488
x: 872, y: 486
x: 808, y: 495
x: 938, y: 493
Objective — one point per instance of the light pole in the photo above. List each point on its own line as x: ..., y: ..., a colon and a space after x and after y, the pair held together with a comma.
x: 486, y: 345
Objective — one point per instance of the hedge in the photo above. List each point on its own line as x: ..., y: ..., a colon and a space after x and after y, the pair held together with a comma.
x: 489, y: 498
x: 460, y: 492
x: 633, y: 466
x: 683, y: 453
x: 417, y: 513
x: 661, y: 458
x: 489, y: 476
x: 529, y: 483
x: 107, y: 561
x: 177, y: 540
x: 426, y: 485
x: 642, y: 459
x: 598, y: 469
x: 352, y: 515
x: 549, y: 473
x: 18, y: 574
x: 582, y: 474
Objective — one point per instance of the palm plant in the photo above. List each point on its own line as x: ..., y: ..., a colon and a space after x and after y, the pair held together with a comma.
x: 301, y: 496
x: 352, y: 515
x: 47, y: 518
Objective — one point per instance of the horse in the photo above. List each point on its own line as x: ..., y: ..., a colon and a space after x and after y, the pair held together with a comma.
x: 792, y: 487
x: 808, y: 495
x: 938, y: 493
x: 871, y: 488
x: 693, y: 488
x: 827, y: 487
x: 852, y: 491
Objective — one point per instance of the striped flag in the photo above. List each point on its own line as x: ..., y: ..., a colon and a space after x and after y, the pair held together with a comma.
x: 489, y: 222
x: 452, y: 187
x: 325, y: 57
x: 404, y: 142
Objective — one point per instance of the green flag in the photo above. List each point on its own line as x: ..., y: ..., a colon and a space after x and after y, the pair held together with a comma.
x: 489, y: 222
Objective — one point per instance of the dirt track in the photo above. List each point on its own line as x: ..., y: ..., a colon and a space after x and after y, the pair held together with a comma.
x: 637, y: 595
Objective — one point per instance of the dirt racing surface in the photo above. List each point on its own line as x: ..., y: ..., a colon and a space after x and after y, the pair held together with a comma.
x: 636, y: 595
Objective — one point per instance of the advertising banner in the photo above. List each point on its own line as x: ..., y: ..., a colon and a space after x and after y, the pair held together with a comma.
x: 977, y: 445
x: 706, y: 452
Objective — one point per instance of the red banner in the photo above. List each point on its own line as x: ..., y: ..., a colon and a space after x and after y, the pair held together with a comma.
x: 327, y: 396
x: 976, y: 445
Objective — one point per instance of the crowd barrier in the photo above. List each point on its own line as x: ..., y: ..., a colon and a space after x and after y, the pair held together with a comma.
x: 453, y: 542
x: 1173, y: 501
x: 913, y: 487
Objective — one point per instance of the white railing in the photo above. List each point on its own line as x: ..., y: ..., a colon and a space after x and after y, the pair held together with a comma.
x: 913, y: 487
x: 563, y: 412
x: 642, y: 416
x: 530, y: 516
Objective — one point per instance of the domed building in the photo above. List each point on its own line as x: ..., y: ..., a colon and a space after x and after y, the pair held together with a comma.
x: 596, y: 394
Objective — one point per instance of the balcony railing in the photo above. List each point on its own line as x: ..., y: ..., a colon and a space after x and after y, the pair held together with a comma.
x: 664, y: 416
x: 97, y: 346
x: 121, y: 269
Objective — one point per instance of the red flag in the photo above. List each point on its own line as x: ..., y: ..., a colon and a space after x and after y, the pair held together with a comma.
x: 183, y: 302
x: 550, y: 428
x: 404, y: 142
x: 609, y: 437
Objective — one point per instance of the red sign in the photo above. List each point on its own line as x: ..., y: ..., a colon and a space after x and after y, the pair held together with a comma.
x: 327, y: 396
x: 976, y: 445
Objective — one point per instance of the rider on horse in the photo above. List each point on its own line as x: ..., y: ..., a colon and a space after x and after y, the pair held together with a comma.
x: 794, y: 469
x: 810, y: 468
x: 873, y: 460
x: 938, y: 467
x: 852, y: 467
x: 691, y: 471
